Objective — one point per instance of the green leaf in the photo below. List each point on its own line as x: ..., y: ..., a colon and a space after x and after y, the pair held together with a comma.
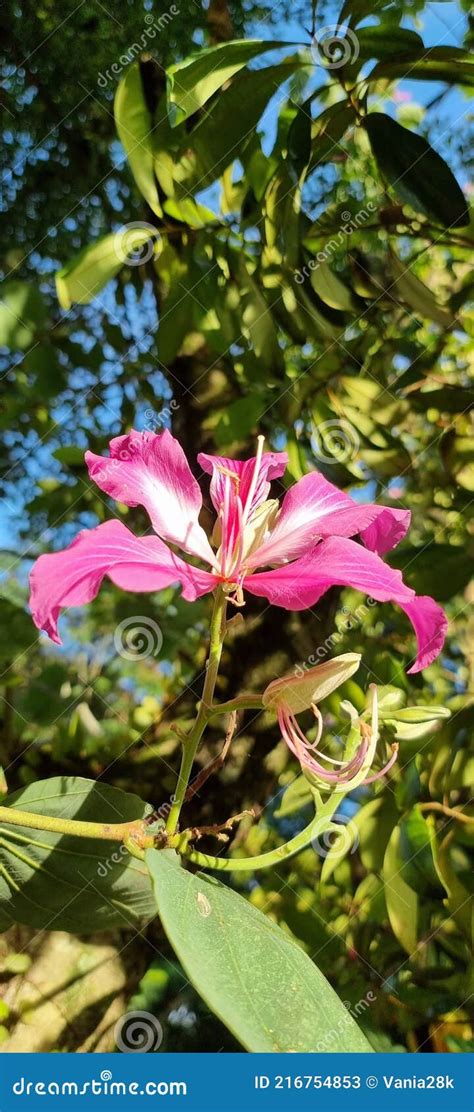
x: 191, y: 83
x: 88, y: 272
x: 416, y: 851
x: 416, y: 172
x: 257, y: 320
x: 403, y: 905
x: 22, y: 313
x: 416, y: 295
x: 297, y: 795
x: 58, y: 882
x: 221, y: 135
x: 244, y: 966
x: 135, y: 129
x: 459, y: 899
x: 71, y: 455
x: 331, y: 290
x: 440, y: 63
x: 374, y: 823
x: 327, y: 130
x: 385, y: 41
x: 188, y: 211
x: 299, y: 138
x: 238, y: 420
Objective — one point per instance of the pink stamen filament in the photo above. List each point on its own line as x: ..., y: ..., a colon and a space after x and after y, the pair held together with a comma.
x: 305, y: 751
x: 386, y: 767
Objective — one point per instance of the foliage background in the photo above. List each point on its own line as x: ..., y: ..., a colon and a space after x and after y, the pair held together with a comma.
x: 362, y: 371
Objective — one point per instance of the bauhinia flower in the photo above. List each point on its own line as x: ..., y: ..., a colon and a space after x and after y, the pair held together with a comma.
x: 292, y: 695
x: 304, y: 543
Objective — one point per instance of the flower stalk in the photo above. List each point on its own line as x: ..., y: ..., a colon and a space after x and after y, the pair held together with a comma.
x: 318, y: 825
x: 191, y: 742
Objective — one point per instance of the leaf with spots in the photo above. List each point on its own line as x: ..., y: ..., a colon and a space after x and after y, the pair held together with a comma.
x: 258, y: 981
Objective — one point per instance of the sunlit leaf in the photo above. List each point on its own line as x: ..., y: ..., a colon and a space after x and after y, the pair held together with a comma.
x: 403, y: 904
x: 135, y: 129
x: 88, y: 272
x: 22, y: 314
x: 191, y: 83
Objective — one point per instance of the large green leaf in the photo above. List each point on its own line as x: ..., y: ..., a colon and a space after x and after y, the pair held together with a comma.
x: 387, y: 41
x: 257, y: 980
x: 88, y: 272
x: 440, y: 63
x: 191, y: 83
x: 22, y: 313
x: 135, y: 129
x: 416, y: 172
x: 57, y: 882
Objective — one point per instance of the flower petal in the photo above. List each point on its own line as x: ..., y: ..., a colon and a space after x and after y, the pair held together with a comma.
x: 151, y: 470
x: 342, y: 562
x: 73, y: 576
x: 387, y: 530
x: 311, y: 509
x: 272, y: 465
x: 430, y: 624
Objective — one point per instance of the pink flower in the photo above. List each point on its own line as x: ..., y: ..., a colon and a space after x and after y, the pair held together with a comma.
x: 305, y: 541
x: 294, y: 694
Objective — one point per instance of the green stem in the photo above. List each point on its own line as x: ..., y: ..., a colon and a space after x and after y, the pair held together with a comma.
x: 318, y: 825
x: 217, y: 634
x: 110, y: 832
x: 247, y: 701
